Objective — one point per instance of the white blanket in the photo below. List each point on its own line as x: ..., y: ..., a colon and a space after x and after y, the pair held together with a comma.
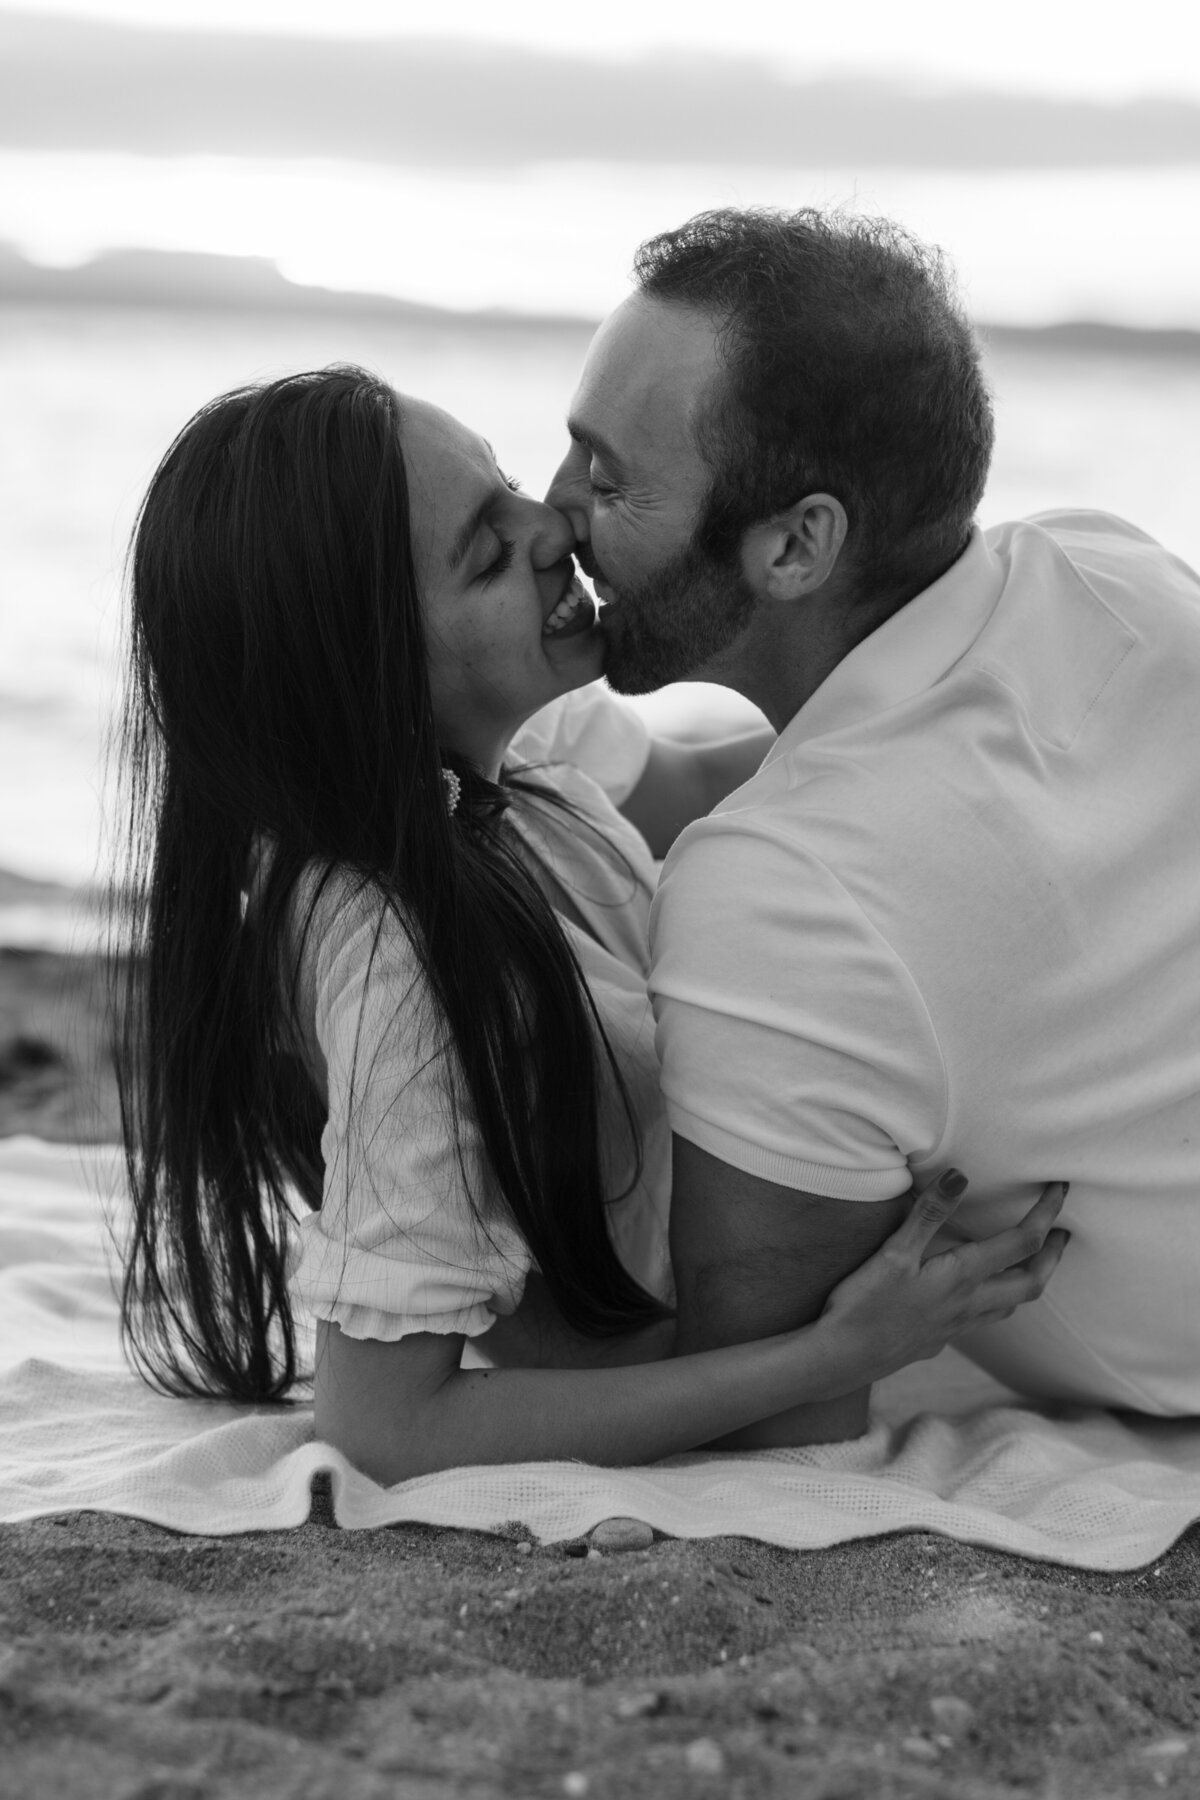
x: 948, y: 1451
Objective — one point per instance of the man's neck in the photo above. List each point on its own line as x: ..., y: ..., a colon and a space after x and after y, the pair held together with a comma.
x: 786, y: 653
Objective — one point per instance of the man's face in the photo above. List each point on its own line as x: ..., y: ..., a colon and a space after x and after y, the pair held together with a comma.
x: 633, y: 485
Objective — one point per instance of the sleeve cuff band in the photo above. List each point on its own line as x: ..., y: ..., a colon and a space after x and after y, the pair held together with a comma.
x: 789, y: 1171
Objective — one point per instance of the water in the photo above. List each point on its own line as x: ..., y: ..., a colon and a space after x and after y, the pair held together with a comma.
x: 89, y: 400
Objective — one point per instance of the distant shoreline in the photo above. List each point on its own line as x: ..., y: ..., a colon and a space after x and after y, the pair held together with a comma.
x: 1097, y: 337
x: 194, y: 282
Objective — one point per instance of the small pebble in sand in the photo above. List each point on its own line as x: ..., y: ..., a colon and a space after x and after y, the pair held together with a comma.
x: 1165, y: 1749
x: 575, y: 1783
x: 952, y: 1715
x: 524, y: 1548
x: 720, y: 1565
x: 920, y: 1749
x: 622, y: 1534
x: 639, y: 1706
x: 705, y: 1757
x: 1095, y: 1637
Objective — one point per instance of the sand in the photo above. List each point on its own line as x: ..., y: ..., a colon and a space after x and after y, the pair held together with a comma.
x: 420, y: 1664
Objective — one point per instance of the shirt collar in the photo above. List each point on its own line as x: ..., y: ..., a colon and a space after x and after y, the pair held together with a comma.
x: 908, y: 653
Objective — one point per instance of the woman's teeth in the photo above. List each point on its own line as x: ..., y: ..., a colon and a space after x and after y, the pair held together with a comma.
x: 576, y: 608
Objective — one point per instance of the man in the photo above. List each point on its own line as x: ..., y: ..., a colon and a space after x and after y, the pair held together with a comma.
x: 953, y: 918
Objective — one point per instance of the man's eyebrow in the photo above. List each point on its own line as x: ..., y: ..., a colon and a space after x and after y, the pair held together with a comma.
x: 591, y: 440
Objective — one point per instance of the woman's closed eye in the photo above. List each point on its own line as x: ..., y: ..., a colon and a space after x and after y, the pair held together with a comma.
x: 502, y: 562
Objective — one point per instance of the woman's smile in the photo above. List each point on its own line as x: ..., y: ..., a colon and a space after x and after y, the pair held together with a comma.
x: 575, y: 612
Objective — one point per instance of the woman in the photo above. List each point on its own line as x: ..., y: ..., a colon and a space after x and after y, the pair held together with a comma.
x: 384, y: 978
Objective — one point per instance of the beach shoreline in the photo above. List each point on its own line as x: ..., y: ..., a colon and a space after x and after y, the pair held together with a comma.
x: 56, y: 1074
x: 449, y: 1665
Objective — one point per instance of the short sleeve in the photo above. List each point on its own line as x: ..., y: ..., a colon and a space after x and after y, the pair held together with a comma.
x: 410, y: 1236
x: 794, y: 1044
x: 594, y: 730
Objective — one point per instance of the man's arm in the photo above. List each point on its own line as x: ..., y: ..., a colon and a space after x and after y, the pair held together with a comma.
x: 752, y: 1258
x: 684, y: 781
x: 536, y: 1336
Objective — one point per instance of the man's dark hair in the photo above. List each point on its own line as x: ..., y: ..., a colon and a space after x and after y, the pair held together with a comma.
x: 850, y: 370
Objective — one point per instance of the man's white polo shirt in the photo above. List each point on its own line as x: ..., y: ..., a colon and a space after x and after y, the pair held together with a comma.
x: 955, y: 920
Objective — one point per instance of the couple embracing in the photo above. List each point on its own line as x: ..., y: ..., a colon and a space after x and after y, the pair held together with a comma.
x: 568, y: 1165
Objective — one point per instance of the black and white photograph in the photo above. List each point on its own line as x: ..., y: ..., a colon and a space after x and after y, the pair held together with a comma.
x: 599, y: 901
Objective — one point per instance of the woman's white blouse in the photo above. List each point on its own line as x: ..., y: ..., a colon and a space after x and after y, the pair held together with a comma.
x: 397, y: 1246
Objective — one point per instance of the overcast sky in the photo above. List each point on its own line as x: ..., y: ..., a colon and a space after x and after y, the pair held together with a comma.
x: 1059, y: 46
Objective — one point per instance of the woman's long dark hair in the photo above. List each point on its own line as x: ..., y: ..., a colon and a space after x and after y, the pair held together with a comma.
x: 278, y: 695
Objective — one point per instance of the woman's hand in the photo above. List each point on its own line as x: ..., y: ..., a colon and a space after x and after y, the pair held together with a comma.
x: 904, y: 1304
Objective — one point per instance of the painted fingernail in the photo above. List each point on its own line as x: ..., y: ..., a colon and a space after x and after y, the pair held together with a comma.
x: 953, y: 1183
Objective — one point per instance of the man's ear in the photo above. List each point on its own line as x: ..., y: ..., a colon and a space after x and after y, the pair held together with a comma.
x: 789, y: 556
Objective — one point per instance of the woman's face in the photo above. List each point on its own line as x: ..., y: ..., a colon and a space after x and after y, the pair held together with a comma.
x: 508, y: 625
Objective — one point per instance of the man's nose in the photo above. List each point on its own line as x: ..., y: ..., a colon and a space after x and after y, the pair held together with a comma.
x: 567, y: 494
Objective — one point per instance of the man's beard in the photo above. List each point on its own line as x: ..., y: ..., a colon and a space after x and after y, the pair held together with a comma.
x: 672, y: 625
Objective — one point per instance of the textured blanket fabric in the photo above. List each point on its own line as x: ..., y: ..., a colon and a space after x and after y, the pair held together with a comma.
x: 948, y: 1451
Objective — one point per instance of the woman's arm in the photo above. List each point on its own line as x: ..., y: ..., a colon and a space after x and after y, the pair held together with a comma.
x: 402, y: 1409
x: 684, y: 781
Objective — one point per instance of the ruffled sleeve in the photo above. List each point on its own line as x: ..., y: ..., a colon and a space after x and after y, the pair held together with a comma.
x: 411, y: 1235
x: 592, y: 729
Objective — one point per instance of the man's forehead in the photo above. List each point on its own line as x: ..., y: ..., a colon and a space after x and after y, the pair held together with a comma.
x: 647, y: 375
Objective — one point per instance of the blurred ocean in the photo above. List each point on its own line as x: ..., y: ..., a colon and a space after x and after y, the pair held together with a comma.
x: 90, y: 397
